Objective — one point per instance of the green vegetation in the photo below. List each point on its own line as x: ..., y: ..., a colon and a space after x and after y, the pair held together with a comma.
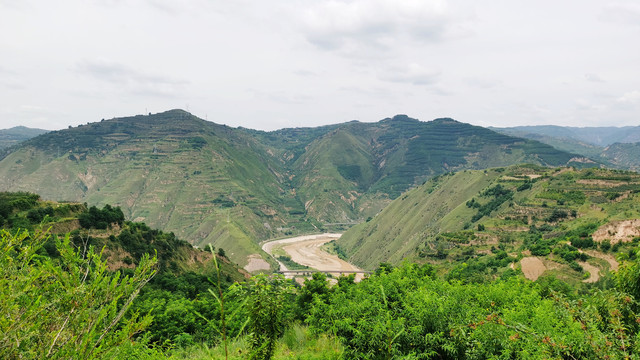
x: 405, y: 311
x: 68, y: 307
x: 101, y: 219
x: 212, y: 184
x: 497, y: 195
x: 290, y: 264
x: 88, y: 304
x: 463, y: 217
x: 184, y: 274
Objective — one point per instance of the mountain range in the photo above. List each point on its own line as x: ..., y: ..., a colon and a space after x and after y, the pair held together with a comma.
x: 234, y: 187
x: 615, y: 147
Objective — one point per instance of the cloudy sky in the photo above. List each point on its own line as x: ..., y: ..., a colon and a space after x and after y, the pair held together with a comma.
x: 290, y: 63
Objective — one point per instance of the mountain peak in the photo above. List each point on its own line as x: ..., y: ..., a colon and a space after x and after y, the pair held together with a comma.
x: 446, y: 120
x: 400, y: 118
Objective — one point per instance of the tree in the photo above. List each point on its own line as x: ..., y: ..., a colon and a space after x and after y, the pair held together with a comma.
x: 267, y: 311
x: 65, y: 308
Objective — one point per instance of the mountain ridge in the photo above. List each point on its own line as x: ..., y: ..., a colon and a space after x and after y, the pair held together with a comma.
x: 233, y: 187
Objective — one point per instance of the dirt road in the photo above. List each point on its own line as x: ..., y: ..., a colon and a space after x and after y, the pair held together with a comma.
x: 307, y: 250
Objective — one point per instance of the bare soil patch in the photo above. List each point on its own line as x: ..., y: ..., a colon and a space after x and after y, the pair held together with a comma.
x: 618, y: 231
x: 532, y: 267
x: 256, y: 263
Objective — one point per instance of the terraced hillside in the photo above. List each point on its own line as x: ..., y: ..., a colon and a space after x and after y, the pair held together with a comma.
x: 210, y: 183
x: 559, y: 221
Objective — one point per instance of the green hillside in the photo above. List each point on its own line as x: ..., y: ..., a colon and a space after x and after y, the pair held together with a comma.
x: 359, y: 167
x: 234, y: 187
x: 474, y: 221
x: 205, y: 182
x: 479, y: 307
x: 124, y: 242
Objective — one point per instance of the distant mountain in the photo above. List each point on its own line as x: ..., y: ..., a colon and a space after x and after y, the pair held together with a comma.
x: 598, y: 136
x: 456, y: 219
x: 233, y: 187
x: 15, y: 135
x: 592, y: 142
x: 624, y: 155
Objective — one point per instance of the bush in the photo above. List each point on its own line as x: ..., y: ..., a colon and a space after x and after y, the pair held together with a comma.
x: 101, y: 219
x: 540, y: 250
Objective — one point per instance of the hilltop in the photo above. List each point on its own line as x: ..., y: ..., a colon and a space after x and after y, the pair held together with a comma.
x: 484, y: 223
x: 15, y: 135
x: 234, y: 187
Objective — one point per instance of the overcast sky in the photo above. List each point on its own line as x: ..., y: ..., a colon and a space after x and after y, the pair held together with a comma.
x: 292, y: 63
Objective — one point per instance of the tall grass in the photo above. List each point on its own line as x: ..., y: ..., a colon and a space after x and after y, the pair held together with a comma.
x: 296, y: 343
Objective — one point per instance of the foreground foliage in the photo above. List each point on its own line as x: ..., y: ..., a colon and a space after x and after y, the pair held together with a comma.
x: 65, y: 308
x: 409, y: 313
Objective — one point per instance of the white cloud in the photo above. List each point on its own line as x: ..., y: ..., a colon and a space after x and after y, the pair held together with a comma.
x: 135, y: 81
x: 593, y: 78
x: 366, y: 25
x: 321, y: 61
x: 623, y: 13
x: 631, y: 97
x: 412, y: 74
x: 481, y: 82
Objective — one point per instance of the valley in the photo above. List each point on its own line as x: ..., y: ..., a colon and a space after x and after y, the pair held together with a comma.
x: 319, y: 180
x: 307, y: 251
x: 234, y: 187
x: 453, y: 256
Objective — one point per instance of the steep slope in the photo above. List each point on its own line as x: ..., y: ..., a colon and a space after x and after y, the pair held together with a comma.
x: 524, y: 209
x: 358, y: 167
x: 203, y: 181
x: 210, y: 183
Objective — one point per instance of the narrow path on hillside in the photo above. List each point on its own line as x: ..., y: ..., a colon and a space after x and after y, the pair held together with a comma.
x: 613, y: 263
x: 594, y: 272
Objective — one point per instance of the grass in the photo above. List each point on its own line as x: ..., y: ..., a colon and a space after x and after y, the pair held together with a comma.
x: 296, y: 343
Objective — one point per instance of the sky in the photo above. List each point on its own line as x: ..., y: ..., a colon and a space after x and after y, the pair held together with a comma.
x: 298, y: 63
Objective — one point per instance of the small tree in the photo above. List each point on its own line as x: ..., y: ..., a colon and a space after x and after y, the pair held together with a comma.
x: 267, y: 312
